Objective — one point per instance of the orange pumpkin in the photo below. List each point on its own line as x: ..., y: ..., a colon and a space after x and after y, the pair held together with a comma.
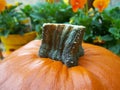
x: 97, y: 69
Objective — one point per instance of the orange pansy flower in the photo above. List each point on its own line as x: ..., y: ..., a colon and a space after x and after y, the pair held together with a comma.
x: 2, y: 5
x: 76, y: 4
x: 101, y: 4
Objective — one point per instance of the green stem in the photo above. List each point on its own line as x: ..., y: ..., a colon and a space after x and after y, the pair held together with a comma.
x: 62, y: 42
x: 86, y: 8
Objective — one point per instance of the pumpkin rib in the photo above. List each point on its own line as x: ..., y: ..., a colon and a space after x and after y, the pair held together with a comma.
x: 56, y: 74
x: 22, y: 69
x: 40, y: 80
x: 64, y: 79
x: 106, y: 66
x: 98, y: 51
x: 100, y: 70
x: 86, y: 78
x: 104, y: 75
x: 36, y: 76
x: 43, y: 79
x: 14, y: 69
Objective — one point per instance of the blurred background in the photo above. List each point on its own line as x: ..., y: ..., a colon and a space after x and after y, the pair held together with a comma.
x: 25, y: 1
x: 113, y: 2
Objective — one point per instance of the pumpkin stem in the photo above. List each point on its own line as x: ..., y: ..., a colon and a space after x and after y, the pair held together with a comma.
x: 62, y: 42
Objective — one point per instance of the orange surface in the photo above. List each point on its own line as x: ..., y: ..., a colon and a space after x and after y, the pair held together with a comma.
x: 98, y: 69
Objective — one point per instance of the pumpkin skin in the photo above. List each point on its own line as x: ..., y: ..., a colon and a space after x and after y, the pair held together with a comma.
x: 98, y: 69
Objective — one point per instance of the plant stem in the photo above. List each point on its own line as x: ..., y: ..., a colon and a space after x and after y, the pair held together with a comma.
x: 62, y: 42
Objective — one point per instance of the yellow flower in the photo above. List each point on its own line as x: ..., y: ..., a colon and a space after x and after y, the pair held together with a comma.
x: 98, y: 40
x: 25, y: 21
x: 17, y: 3
x: 66, y: 2
x: 9, y: 6
x: 50, y: 1
x: 71, y: 21
x: 2, y: 5
x: 91, y: 12
x: 101, y: 4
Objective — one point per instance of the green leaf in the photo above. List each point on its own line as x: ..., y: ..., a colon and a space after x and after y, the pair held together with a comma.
x: 38, y: 28
x: 115, y: 13
x: 115, y: 32
x: 107, y: 38
x: 115, y: 48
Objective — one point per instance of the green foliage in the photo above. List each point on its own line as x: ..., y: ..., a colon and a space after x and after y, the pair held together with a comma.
x: 101, y: 28
x: 41, y: 13
x: 14, y: 21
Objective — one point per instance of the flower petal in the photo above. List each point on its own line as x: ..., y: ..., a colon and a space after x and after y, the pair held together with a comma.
x: 76, y: 4
x: 2, y: 5
x: 101, y: 4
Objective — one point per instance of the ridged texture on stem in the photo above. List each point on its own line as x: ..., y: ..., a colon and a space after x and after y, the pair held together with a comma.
x: 62, y: 42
